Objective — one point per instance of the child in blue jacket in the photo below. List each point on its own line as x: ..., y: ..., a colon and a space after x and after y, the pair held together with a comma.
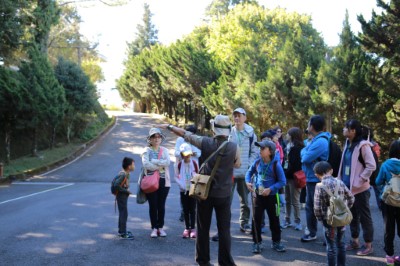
x: 264, y: 178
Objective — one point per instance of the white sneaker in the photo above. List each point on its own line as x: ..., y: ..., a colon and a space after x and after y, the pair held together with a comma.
x: 306, y: 231
x: 154, y: 233
x: 162, y: 233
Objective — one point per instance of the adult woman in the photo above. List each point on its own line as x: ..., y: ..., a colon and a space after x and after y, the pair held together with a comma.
x: 292, y: 165
x: 156, y: 158
x: 391, y: 214
x: 356, y: 177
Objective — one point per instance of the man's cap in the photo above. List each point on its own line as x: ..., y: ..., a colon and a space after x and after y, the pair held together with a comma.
x: 240, y: 111
x: 186, y: 149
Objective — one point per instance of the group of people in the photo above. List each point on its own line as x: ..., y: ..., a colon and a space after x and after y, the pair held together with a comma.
x: 262, y: 169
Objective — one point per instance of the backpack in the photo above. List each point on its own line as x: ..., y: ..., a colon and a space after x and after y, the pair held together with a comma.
x: 334, y: 156
x: 115, y: 186
x: 338, y: 213
x: 391, y: 192
x: 375, y: 173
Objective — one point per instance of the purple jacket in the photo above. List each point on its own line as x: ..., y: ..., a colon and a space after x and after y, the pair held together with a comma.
x: 359, y: 176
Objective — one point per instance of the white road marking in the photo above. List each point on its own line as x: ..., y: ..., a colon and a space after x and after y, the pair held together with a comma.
x: 37, y: 193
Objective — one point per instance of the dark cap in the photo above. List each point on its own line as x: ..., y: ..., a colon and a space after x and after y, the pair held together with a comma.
x: 268, y: 134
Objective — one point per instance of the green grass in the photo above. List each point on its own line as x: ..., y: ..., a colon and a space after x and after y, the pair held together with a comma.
x: 46, y: 157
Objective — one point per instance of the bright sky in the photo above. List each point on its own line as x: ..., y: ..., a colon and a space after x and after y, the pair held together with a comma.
x: 113, y: 27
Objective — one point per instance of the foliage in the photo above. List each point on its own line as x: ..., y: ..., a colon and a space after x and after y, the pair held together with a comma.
x: 380, y: 36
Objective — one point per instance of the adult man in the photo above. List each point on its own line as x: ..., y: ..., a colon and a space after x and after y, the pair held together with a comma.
x: 244, y: 136
x: 219, y: 195
x: 316, y: 150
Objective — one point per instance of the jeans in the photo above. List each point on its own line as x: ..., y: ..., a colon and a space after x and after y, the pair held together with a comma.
x: 189, y: 210
x: 391, y: 218
x: 362, y: 215
x: 269, y: 203
x: 292, y: 195
x: 335, y: 245
x: 122, y: 201
x: 157, y: 201
x: 222, y: 208
x: 243, y: 192
x: 312, y: 223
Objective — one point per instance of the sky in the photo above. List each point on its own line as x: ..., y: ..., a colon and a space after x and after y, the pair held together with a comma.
x: 113, y: 27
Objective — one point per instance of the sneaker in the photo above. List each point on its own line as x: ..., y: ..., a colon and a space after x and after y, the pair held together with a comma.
x: 308, y: 238
x: 256, y: 248
x: 352, y: 245
x: 303, y: 206
x: 154, y: 233
x: 277, y: 246
x: 365, y: 251
x: 127, y: 236
x: 389, y: 260
x: 193, y: 233
x: 245, y: 228
x: 186, y: 233
x: 215, y: 237
x: 298, y: 227
x: 306, y: 231
x: 161, y: 232
x: 286, y: 224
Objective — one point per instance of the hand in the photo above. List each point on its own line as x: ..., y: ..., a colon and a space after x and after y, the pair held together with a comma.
x: 250, y: 187
x: 266, y: 192
x: 155, y: 161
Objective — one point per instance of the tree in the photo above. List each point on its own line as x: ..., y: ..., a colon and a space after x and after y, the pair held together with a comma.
x: 65, y: 40
x: 80, y: 93
x: 46, y: 96
x: 343, y: 92
x: 146, y: 35
x: 12, y: 22
x: 219, y: 8
x: 380, y: 36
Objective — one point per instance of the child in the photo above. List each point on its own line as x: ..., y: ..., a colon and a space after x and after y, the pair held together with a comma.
x: 334, y: 236
x: 391, y: 214
x: 268, y: 179
x: 128, y: 165
x: 183, y: 174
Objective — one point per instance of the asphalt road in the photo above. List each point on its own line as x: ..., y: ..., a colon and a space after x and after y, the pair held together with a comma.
x: 66, y: 217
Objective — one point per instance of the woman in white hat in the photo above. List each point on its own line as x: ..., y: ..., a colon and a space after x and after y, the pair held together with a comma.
x: 156, y: 158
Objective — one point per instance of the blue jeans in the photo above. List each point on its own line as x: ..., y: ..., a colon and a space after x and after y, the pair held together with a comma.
x: 335, y: 245
x: 312, y: 223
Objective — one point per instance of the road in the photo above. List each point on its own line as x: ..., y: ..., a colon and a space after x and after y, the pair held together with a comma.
x: 66, y: 217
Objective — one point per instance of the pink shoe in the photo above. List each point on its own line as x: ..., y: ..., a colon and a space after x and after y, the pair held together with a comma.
x: 186, y: 233
x: 193, y: 233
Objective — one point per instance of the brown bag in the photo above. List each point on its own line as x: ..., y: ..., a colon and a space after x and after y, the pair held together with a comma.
x: 200, y: 184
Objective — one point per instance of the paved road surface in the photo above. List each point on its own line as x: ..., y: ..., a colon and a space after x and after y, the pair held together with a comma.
x: 67, y: 217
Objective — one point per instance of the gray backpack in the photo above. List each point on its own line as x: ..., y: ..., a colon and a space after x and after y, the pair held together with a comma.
x: 338, y: 213
x: 391, y: 192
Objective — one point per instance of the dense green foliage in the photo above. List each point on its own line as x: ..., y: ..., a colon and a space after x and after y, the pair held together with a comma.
x: 275, y: 65
x: 40, y: 105
x: 381, y: 37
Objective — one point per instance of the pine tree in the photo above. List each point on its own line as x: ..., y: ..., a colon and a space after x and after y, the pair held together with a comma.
x: 146, y: 35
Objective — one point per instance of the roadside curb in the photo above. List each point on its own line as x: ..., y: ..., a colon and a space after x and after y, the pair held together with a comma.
x: 83, y: 148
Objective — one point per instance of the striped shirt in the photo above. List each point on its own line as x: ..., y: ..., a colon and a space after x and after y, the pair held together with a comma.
x: 154, y: 155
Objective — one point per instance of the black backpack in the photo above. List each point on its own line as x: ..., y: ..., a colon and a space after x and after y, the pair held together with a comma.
x: 374, y: 174
x: 334, y: 156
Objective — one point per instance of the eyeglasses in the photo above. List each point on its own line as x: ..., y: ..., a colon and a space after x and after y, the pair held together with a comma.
x: 279, y: 131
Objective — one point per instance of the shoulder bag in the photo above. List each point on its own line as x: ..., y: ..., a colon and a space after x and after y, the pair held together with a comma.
x: 200, y: 184
x: 150, y: 183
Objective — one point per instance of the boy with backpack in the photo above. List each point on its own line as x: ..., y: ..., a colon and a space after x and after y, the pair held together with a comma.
x: 120, y: 188
x: 332, y: 203
x: 184, y: 172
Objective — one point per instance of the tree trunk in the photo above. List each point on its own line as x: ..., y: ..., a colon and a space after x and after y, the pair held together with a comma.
x: 53, y: 137
x: 69, y: 131
x: 186, y: 113
x: 8, y: 144
x: 34, y: 143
